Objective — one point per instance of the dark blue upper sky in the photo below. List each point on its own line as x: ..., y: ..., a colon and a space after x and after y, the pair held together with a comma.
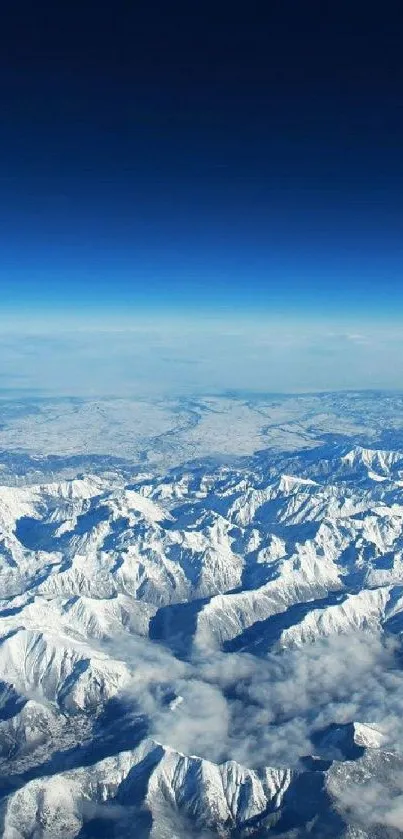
x: 197, y: 155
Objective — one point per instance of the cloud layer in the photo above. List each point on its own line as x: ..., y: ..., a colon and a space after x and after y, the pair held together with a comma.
x: 194, y: 355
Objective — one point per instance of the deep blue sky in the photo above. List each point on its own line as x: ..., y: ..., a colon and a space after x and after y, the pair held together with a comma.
x: 169, y: 155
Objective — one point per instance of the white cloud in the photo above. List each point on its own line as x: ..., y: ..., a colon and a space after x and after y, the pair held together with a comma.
x: 192, y: 355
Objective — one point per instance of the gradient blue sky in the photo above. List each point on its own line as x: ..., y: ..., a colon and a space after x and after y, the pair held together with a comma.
x: 188, y: 160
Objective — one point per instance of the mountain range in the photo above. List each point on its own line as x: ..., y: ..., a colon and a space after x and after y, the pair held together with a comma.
x: 212, y: 649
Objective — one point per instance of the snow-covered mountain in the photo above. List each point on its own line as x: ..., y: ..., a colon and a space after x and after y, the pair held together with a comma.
x: 213, y: 650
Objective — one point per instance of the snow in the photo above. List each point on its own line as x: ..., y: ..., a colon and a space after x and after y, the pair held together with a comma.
x: 254, y: 550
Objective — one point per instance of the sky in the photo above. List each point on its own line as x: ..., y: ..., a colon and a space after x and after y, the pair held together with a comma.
x: 169, y: 162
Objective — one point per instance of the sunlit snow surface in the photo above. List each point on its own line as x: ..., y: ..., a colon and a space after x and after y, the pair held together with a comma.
x: 201, y: 613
